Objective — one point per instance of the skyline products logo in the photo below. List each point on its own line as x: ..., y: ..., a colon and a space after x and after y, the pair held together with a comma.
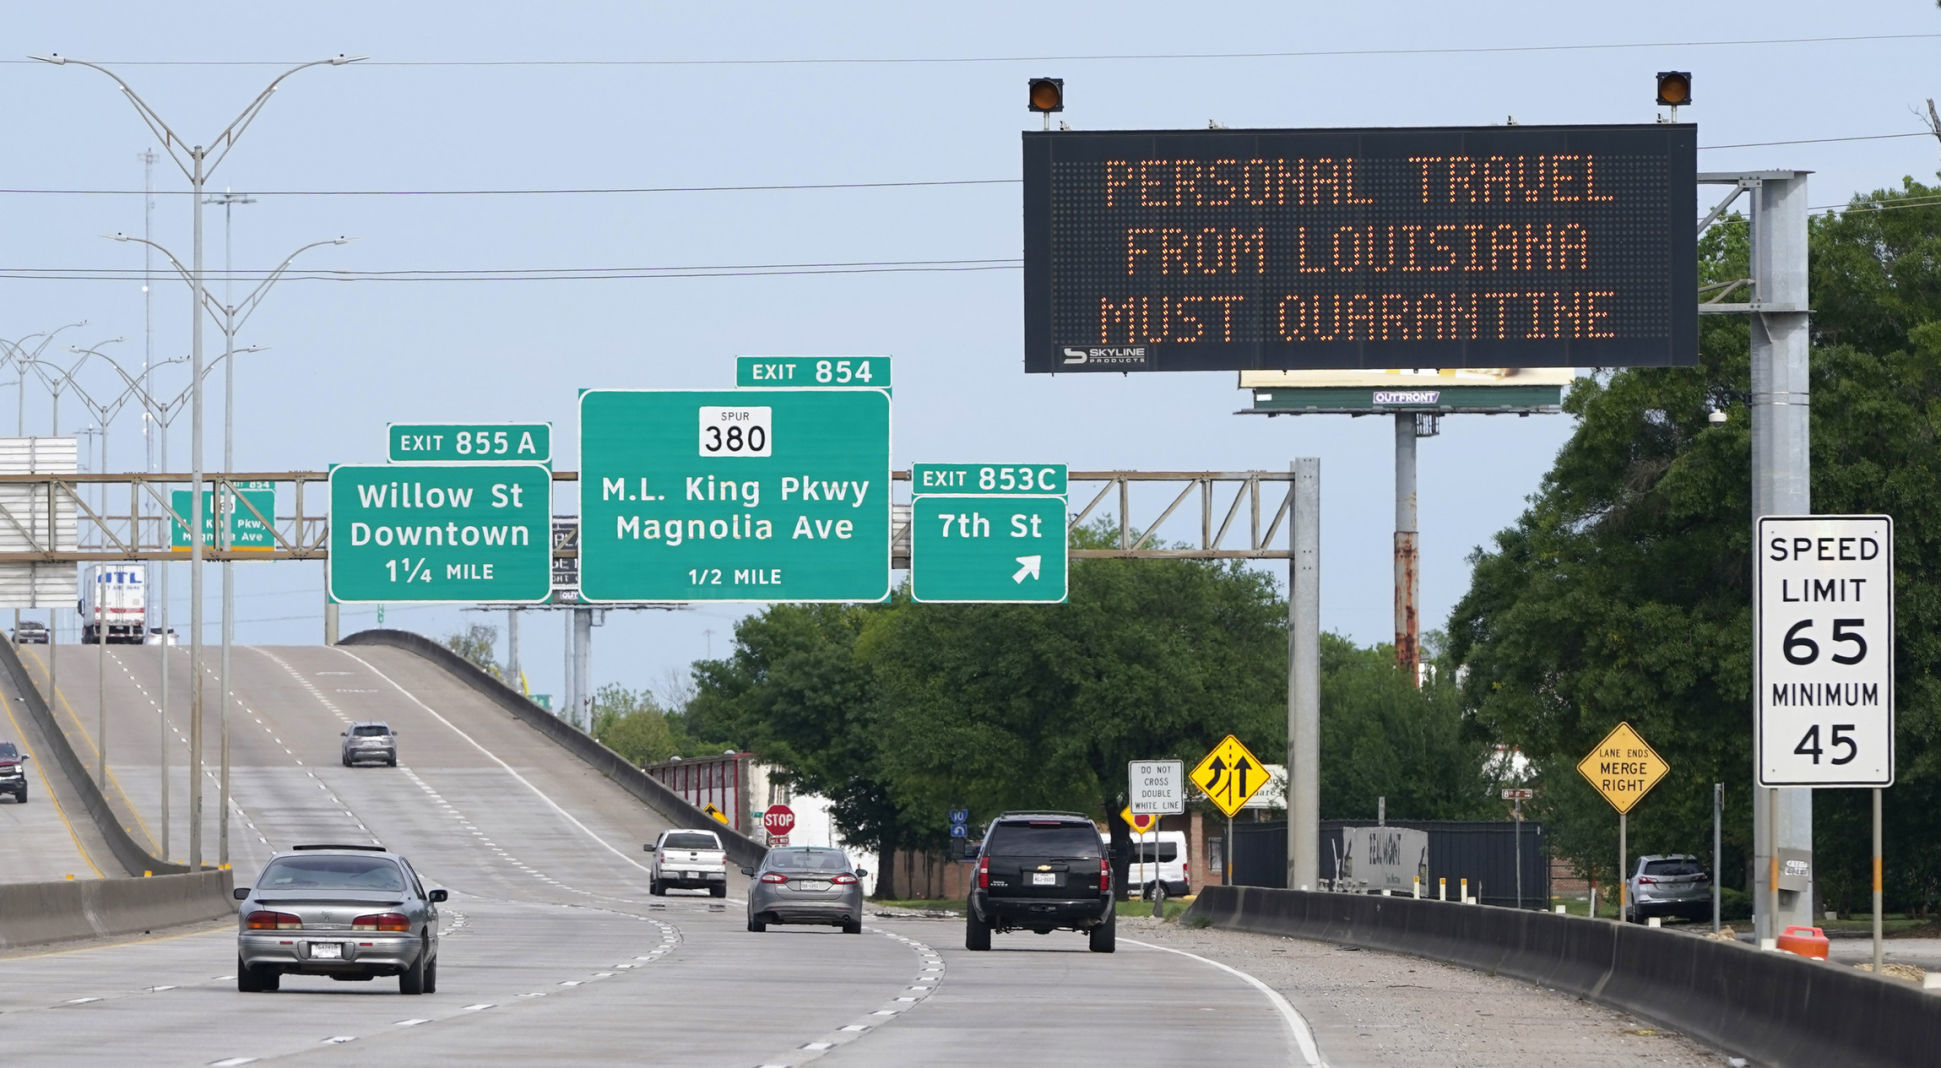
x: 1407, y: 396
x: 1106, y: 357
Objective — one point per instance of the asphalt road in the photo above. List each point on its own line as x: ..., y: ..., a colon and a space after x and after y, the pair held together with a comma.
x: 555, y: 952
x: 50, y: 837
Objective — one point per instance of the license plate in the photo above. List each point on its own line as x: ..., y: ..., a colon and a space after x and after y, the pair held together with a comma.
x: 1044, y: 878
x: 811, y: 884
x: 326, y: 951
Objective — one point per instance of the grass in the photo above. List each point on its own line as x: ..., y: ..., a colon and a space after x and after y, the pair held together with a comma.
x: 1892, y: 925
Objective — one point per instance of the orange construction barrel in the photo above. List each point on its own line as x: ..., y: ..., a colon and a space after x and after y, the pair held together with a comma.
x: 1805, y: 941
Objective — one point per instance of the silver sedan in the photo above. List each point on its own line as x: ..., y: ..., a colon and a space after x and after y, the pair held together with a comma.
x: 345, y: 911
x: 806, y: 884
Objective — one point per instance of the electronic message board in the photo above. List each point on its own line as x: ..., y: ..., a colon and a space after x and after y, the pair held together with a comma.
x: 1493, y: 246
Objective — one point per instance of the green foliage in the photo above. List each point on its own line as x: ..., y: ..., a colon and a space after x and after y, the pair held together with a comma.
x: 476, y: 643
x: 631, y: 724
x: 1383, y: 737
x: 1623, y: 592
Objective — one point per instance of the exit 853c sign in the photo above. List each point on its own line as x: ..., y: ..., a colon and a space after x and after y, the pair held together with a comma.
x: 1823, y: 683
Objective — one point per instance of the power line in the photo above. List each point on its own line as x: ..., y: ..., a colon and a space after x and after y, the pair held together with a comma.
x: 1143, y: 57
x: 540, y: 274
x: 765, y: 187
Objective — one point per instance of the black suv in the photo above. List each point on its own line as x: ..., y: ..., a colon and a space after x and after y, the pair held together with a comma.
x: 1040, y: 871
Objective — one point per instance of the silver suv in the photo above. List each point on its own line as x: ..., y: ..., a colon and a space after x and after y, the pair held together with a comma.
x: 370, y: 741
x: 1671, y: 884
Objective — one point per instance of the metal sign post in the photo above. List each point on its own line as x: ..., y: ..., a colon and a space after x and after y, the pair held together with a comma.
x: 1622, y: 769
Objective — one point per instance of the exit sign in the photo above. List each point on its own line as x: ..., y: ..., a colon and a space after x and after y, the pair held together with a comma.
x: 470, y: 443
x: 813, y: 371
x: 429, y: 533
x: 988, y: 533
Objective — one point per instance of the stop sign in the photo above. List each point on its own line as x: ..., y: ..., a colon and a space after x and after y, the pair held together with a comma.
x: 779, y: 819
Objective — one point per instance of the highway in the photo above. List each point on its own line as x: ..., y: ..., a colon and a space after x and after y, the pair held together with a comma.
x: 555, y: 951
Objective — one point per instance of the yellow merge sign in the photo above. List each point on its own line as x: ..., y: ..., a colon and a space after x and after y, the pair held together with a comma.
x: 711, y: 810
x: 1623, y: 768
x: 1229, y: 775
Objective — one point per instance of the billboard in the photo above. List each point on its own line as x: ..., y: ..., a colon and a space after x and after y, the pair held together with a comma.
x: 1493, y: 246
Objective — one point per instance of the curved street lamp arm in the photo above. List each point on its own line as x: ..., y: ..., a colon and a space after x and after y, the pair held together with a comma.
x: 173, y: 144
x: 250, y: 303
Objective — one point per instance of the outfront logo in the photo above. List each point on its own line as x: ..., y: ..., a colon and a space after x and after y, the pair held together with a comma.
x: 1121, y: 356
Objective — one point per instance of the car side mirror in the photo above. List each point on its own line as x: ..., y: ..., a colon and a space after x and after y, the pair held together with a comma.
x: 648, y: 848
x: 748, y: 871
x: 862, y: 873
x: 241, y: 893
x: 435, y: 896
x: 343, y: 734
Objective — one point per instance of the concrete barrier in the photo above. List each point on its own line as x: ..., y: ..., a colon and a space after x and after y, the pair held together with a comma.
x: 35, y: 914
x: 742, y: 850
x: 1776, y: 1008
x: 133, y: 859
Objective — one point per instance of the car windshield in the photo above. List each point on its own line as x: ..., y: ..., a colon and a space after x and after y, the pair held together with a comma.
x: 1671, y: 867
x: 8, y: 752
x: 332, y: 873
x: 691, y: 840
x: 1168, y: 852
x: 830, y: 860
x: 370, y: 730
x: 1044, y: 840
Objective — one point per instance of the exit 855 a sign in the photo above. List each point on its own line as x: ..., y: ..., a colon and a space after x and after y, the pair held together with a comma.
x: 1823, y: 683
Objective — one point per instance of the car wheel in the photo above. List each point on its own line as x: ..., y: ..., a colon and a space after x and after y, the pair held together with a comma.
x: 757, y: 926
x: 391, y: 763
x: 1106, y: 935
x: 21, y: 797
x: 977, y: 933
x: 246, y: 978
x: 852, y: 927
x: 347, y: 762
x: 655, y: 888
x: 412, y: 979
x: 718, y: 891
x: 431, y: 976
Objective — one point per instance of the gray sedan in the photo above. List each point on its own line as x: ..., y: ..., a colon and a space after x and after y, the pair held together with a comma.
x: 806, y: 884
x: 346, y: 911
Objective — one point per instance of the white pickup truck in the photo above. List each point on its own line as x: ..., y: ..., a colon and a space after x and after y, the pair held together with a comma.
x: 691, y: 859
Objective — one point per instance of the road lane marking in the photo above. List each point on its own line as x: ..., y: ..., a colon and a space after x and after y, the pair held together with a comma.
x: 1296, y: 1024
x: 59, y: 810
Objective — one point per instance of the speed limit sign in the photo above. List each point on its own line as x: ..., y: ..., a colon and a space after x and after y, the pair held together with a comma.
x: 1823, y: 674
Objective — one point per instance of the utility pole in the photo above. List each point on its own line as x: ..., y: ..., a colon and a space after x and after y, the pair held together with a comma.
x: 224, y: 504
x: 150, y: 433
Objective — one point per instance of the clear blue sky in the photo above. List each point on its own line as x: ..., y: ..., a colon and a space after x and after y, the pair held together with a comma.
x: 488, y: 95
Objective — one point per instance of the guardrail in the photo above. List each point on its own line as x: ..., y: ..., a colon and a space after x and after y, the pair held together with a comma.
x: 133, y: 859
x: 34, y: 914
x: 741, y: 849
x: 1776, y: 1008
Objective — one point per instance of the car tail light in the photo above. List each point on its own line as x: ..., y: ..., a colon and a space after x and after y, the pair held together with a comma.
x: 845, y: 879
x: 1105, y: 874
x: 261, y: 920
x: 381, y: 921
x: 774, y: 877
x: 1646, y: 880
x: 983, y: 873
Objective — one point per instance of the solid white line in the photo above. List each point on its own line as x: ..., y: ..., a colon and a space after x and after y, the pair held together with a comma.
x: 1296, y: 1024
x: 537, y: 792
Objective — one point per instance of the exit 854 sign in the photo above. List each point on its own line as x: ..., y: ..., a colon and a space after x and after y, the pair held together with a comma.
x: 1823, y: 686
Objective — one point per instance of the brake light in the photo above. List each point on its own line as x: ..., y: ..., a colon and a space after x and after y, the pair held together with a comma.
x: 983, y: 873
x: 1646, y: 880
x: 845, y: 879
x: 262, y: 920
x: 381, y: 921
x: 774, y: 877
x: 1105, y: 874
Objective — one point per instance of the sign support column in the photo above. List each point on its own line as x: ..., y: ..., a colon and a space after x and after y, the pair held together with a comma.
x: 1303, y: 679
x: 1781, y: 485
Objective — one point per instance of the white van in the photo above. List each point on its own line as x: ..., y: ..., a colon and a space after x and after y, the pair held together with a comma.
x: 1170, y: 868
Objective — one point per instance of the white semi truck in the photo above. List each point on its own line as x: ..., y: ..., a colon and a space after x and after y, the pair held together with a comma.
x: 114, y: 602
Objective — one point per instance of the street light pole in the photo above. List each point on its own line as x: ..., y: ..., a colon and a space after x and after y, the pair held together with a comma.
x: 228, y: 201
x: 197, y: 167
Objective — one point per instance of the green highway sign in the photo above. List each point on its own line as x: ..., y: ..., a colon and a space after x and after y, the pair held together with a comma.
x: 246, y: 531
x: 984, y: 479
x: 734, y: 495
x: 976, y: 548
x: 430, y: 532
x: 470, y: 443
x: 813, y: 372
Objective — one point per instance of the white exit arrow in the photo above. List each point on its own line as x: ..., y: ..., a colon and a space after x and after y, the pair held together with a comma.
x: 1030, y: 568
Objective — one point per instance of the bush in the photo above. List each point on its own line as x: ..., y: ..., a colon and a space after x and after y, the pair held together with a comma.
x: 1734, y: 904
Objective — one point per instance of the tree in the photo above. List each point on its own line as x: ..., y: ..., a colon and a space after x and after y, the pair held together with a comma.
x: 476, y: 643
x: 1383, y: 737
x: 1042, y: 706
x: 796, y: 692
x: 1623, y: 592
x: 631, y: 724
